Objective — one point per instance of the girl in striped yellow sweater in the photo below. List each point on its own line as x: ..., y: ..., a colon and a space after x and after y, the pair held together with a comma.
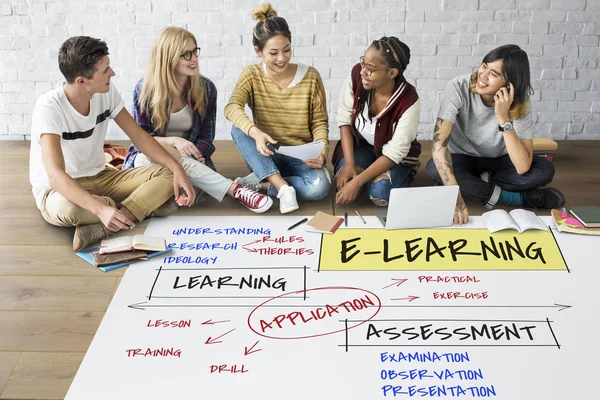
x: 288, y: 108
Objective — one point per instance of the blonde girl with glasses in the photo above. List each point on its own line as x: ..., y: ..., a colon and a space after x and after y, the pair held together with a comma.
x: 177, y: 106
x: 378, y: 116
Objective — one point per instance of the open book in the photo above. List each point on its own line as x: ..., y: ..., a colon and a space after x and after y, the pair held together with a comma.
x: 136, y: 242
x: 520, y: 220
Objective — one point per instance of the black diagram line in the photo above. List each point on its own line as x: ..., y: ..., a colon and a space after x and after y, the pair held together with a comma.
x: 154, y: 284
x: 224, y: 297
x: 346, y: 330
x: 559, y: 250
x: 320, y: 254
x: 553, y: 335
x: 444, y: 320
x: 447, y: 345
x: 304, y: 283
x: 230, y: 268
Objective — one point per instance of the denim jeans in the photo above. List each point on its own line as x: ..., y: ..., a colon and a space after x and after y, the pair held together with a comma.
x: 201, y: 176
x: 310, y: 183
x: 501, y: 174
x: 398, y: 176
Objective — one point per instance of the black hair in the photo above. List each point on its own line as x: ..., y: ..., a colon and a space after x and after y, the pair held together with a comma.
x: 79, y: 55
x: 395, y: 54
x: 515, y: 68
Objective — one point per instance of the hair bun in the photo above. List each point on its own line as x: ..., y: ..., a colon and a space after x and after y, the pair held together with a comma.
x: 264, y: 12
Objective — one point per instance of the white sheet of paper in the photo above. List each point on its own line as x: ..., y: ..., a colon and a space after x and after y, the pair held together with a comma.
x: 303, y: 152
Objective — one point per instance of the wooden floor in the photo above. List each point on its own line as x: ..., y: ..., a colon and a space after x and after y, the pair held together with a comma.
x: 51, y: 302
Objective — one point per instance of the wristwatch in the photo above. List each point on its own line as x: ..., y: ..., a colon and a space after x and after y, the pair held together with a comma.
x: 506, y: 127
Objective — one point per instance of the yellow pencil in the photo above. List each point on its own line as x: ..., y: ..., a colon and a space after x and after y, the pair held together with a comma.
x: 360, y: 216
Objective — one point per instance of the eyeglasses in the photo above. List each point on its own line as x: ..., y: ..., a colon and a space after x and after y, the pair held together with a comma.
x: 367, y: 68
x: 187, y: 55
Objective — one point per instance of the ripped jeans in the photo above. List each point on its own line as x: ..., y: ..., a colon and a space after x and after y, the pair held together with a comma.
x: 310, y: 183
x: 379, y: 190
x: 201, y: 176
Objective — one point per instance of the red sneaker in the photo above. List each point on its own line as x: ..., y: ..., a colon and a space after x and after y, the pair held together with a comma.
x: 254, y: 201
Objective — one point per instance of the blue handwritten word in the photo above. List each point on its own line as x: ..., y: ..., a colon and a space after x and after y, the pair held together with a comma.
x: 443, y: 375
x: 189, y: 260
x: 437, y: 391
x: 430, y: 356
x: 222, y: 231
x: 204, y: 246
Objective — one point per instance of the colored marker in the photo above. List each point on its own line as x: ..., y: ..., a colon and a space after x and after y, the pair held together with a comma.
x: 346, y: 219
x: 563, y: 212
x: 297, y: 223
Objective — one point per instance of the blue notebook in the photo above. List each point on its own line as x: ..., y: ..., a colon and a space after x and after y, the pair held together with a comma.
x: 86, y: 256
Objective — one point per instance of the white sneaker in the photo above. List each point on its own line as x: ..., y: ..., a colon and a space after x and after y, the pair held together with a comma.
x: 287, y: 199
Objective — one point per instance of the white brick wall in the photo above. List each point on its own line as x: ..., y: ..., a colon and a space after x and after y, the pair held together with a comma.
x: 447, y: 38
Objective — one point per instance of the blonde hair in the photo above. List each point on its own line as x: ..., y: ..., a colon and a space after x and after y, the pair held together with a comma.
x: 263, y: 12
x: 268, y: 25
x: 159, y: 81
x: 516, y: 110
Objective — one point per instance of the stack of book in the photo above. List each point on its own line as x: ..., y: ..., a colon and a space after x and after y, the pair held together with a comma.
x: 582, y: 220
x: 125, y: 250
x: 544, y: 147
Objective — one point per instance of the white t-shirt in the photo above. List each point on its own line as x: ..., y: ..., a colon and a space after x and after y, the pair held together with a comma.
x: 82, y: 137
x: 366, y: 127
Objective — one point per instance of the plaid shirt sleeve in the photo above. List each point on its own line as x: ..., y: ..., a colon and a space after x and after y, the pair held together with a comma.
x: 142, y: 119
x: 202, y: 133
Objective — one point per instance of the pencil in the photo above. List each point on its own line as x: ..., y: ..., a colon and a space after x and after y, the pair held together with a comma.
x: 360, y: 216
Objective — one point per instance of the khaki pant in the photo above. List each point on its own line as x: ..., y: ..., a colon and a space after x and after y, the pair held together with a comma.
x: 140, y: 190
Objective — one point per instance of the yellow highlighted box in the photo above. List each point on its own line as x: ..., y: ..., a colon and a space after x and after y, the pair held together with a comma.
x: 439, y: 249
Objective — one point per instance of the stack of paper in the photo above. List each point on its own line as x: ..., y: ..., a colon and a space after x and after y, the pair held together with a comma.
x: 309, y: 151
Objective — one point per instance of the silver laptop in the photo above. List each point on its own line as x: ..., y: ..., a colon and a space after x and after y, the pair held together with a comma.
x: 420, y: 207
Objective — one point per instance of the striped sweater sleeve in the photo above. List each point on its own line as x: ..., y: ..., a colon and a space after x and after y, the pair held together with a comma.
x: 242, y: 95
x: 319, y: 123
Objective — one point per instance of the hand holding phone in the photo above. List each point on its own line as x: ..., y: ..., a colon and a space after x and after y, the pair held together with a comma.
x: 503, y: 100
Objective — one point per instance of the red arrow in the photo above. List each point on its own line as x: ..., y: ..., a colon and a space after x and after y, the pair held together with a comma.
x: 397, y: 283
x: 211, y: 322
x: 249, y: 350
x: 409, y: 298
x: 210, y: 340
x: 251, y: 243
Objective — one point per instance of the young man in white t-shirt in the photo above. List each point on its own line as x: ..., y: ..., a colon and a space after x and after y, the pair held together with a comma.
x: 67, y: 170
